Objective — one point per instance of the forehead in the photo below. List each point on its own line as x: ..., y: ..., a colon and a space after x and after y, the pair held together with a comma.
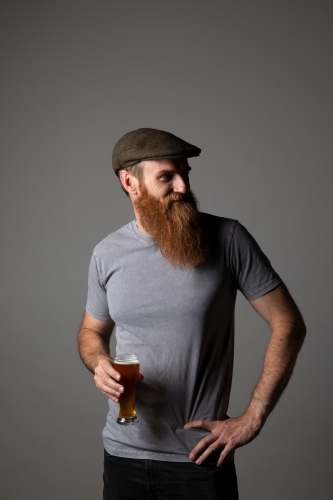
x: 153, y: 167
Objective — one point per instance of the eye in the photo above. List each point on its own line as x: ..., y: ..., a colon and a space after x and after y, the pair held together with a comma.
x: 165, y: 178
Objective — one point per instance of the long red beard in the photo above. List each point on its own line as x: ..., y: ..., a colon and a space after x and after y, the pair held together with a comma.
x: 176, y: 226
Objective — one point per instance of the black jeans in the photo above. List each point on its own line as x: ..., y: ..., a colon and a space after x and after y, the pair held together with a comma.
x: 134, y: 479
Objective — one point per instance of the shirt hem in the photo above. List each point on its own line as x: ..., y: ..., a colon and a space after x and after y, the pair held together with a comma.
x: 262, y: 291
x: 97, y: 316
x: 153, y: 455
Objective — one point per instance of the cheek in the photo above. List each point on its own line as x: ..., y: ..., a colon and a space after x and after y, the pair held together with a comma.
x: 161, y: 189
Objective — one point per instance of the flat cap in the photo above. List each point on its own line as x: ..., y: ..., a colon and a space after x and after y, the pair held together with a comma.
x: 149, y: 144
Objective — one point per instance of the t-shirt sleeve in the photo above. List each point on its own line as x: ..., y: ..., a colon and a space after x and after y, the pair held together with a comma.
x: 250, y: 267
x: 97, y: 305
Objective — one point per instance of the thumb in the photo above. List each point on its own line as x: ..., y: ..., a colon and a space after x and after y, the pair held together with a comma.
x: 202, y: 424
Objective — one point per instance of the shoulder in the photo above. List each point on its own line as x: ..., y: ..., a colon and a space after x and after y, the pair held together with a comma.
x: 227, y: 227
x: 115, y: 241
x: 215, y: 221
x: 220, y: 228
x: 229, y: 234
x: 110, y: 252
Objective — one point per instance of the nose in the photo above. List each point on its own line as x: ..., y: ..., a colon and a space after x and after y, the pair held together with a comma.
x: 180, y: 184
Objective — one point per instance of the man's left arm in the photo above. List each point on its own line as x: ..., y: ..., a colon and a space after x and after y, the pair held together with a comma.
x: 288, y: 331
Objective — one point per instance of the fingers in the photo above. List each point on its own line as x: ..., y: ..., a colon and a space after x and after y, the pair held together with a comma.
x: 210, y: 445
x: 207, y: 445
x: 218, y: 444
x: 226, y: 435
x: 203, y: 449
x: 109, y: 388
x: 224, y: 455
x: 106, y: 380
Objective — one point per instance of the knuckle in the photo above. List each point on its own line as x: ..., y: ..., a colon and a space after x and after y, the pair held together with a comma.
x: 232, y: 444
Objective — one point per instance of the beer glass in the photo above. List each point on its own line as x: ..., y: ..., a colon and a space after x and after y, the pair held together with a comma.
x: 128, y: 366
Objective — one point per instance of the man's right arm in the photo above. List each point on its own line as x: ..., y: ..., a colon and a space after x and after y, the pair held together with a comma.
x: 93, y: 342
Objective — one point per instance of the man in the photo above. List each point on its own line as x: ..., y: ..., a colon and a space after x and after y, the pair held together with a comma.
x: 168, y: 281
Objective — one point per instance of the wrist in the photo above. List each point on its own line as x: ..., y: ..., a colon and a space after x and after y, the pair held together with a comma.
x: 100, y: 357
x: 258, y: 413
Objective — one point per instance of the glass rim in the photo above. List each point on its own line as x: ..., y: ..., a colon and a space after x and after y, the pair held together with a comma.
x: 123, y: 359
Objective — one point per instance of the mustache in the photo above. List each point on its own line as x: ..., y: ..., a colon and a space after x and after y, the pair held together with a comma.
x: 186, y: 197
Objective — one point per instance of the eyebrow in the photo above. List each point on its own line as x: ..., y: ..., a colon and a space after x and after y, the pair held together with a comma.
x: 164, y: 172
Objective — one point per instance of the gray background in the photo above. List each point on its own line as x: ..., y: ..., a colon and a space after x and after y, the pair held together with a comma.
x: 250, y: 82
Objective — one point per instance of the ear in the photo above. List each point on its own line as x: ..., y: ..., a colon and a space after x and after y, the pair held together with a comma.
x: 129, y: 182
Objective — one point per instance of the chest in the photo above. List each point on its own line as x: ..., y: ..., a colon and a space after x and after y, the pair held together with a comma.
x: 144, y: 287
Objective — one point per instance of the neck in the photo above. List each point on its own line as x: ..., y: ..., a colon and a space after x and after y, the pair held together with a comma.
x: 138, y: 223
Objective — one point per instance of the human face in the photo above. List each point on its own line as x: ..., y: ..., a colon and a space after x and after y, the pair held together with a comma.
x: 171, y: 218
x: 162, y: 177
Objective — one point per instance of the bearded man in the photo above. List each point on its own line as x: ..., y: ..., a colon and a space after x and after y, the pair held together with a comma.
x: 168, y: 281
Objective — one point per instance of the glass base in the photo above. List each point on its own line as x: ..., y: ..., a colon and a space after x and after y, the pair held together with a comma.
x: 127, y: 420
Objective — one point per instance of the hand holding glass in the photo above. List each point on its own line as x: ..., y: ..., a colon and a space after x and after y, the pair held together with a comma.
x: 128, y: 366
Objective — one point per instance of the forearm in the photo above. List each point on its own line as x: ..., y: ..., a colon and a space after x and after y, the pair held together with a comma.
x: 92, y: 347
x: 93, y: 341
x: 288, y: 332
x: 280, y: 359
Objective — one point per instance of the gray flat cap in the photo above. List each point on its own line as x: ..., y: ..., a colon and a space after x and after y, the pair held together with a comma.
x: 149, y: 144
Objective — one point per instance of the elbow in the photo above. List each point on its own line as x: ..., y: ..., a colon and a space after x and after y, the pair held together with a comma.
x: 303, y: 330
x: 300, y: 329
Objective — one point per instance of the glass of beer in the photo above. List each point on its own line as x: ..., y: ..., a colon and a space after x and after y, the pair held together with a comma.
x: 128, y: 366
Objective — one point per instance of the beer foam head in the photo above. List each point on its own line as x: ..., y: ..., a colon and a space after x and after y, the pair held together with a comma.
x: 126, y: 359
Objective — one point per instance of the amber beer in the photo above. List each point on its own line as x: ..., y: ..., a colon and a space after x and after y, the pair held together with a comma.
x: 128, y: 366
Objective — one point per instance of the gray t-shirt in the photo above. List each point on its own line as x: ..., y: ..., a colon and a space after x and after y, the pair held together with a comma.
x: 180, y: 323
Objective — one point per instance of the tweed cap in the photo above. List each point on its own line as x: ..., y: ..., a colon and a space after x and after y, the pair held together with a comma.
x: 149, y: 144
